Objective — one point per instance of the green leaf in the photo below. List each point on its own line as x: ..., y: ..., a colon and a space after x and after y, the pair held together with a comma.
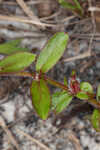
x: 41, y: 99
x: 52, y: 52
x: 82, y: 95
x: 74, y: 6
x: 60, y: 100
x: 98, y: 93
x: 86, y: 87
x: 11, y: 47
x: 78, y: 4
x: 16, y: 62
x: 67, y: 4
x: 95, y: 119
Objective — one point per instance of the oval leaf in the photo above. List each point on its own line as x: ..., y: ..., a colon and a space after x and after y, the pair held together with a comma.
x: 60, y: 101
x: 82, y: 95
x: 95, y: 119
x: 11, y: 47
x: 41, y: 98
x: 16, y: 62
x: 86, y: 87
x: 52, y: 52
x: 98, y: 93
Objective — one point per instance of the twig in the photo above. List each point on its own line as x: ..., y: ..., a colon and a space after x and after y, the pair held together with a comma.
x: 75, y: 140
x: 51, y: 16
x: 94, y: 8
x: 27, y: 10
x: 9, y: 134
x: 25, y: 20
x: 81, y: 56
x: 32, y: 139
x: 19, y: 74
x: 28, y: 3
x: 94, y: 26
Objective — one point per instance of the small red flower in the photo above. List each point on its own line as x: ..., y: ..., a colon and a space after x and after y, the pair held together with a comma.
x: 74, y: 85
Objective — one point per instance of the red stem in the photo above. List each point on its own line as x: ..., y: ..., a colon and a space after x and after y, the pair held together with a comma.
x: 52, y: 82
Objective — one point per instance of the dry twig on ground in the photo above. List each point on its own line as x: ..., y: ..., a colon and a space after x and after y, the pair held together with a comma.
x: 33, y: 140
x: 11, y: 138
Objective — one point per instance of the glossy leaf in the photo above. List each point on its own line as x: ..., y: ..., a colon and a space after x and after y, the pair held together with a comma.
x: 60, y: 100
x: 86, y: 87
x: 82, y: 95
x: 11, y: 47
x: 95, y: 119
x: 41, y: 98
x: 52, y: 52
x: 16, y: 62
x: 98, y: 93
